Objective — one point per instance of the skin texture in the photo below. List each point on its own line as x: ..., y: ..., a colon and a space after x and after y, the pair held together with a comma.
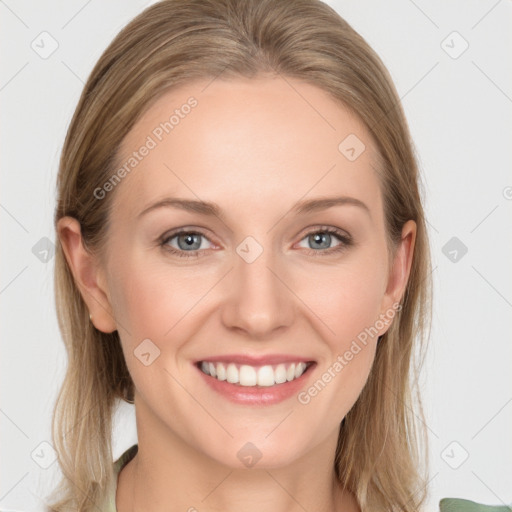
x: 255, y: 147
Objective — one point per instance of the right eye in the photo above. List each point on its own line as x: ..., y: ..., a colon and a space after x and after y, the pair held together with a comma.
x: 187, y: 244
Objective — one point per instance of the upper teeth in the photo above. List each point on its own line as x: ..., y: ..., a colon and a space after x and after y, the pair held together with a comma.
x: 246, y: 375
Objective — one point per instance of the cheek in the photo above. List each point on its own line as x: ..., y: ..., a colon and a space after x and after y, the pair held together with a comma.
x: 152, y: 302
x: 347, y: 302
x: 150, y: 298
x: 346, y: 298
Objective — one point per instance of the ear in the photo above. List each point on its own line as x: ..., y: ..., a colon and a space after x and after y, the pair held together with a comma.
x: 399, y: 271
x: 88, y: 274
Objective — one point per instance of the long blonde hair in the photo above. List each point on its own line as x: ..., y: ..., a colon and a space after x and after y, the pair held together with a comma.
x: 382, y: 447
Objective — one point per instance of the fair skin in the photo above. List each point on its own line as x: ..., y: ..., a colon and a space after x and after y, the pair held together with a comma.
x: 254, y: 147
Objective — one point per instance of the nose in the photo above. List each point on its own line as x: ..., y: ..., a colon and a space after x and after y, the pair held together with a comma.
x: 258, y: 300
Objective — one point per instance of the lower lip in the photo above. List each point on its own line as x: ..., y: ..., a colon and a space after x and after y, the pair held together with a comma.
x: 254, y: 395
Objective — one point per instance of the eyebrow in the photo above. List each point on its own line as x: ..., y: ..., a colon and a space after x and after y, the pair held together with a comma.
x: 212, y: 209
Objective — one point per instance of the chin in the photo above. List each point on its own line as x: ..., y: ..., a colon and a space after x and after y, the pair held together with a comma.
x: 256, y: 451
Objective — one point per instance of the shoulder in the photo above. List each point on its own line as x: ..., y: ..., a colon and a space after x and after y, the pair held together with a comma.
x: 461, y: 505
x: 126, y: 457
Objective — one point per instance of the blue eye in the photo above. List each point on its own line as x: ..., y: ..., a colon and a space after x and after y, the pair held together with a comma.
x: 189, y: 244
x: 322, y: 239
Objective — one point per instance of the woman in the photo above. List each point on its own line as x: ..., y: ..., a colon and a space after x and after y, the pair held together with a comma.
x: 243, y: 255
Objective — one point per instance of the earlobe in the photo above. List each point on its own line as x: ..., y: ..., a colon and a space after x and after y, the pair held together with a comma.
x: 87, y: 274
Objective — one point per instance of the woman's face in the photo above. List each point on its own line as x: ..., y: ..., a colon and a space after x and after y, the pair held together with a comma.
x: 272, y: 275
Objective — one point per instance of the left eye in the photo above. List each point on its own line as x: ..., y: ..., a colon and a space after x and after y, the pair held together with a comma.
x: 322, y: 239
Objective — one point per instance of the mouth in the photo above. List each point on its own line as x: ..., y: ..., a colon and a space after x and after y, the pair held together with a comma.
x: 255, y: 376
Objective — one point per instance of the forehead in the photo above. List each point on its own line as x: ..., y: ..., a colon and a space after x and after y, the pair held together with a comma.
x: 246, y: 140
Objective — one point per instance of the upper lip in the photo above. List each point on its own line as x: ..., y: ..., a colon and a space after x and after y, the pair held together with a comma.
x: 260, y: 360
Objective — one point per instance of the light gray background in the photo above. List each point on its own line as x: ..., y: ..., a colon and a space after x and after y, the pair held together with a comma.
x: 459, y: 111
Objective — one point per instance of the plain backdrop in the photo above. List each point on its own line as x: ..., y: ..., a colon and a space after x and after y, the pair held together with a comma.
x: 451, y: 64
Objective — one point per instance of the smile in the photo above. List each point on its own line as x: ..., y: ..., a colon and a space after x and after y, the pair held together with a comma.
x: 249, y: 376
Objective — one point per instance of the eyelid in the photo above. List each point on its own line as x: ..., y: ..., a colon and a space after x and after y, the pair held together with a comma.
x: 324, y: 228
x: 343, y: 236
x: 181, y: 231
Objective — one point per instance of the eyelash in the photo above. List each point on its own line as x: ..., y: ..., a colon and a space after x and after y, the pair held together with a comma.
x: 346, y: 241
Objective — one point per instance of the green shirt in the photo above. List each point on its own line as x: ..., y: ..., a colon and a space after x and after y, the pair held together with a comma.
x: 445, y: 505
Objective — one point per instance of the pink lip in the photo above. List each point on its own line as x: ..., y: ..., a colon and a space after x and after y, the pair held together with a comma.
x: 256, y: 395
x: 255, y: 360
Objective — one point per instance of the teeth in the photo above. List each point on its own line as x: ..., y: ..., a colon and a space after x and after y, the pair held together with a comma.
x: 299, y: 369
x: 290, y: 373
x: 280, y: 374
x: 221, y: 371
x: 232, y: 374
x: 246, y: 375
x: 266, y: 376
